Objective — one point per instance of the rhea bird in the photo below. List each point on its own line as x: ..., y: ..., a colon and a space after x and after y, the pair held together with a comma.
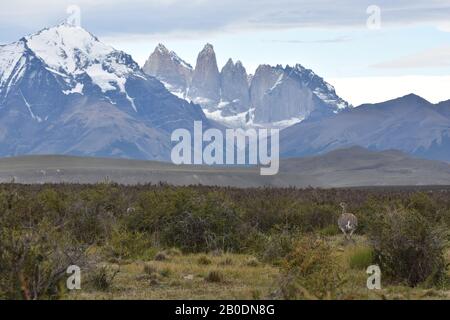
x: 347, y: 222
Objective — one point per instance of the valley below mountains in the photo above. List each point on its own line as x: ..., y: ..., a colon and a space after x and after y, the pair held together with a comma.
x: 353, y: 167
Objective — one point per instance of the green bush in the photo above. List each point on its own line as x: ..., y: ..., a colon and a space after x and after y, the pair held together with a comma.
x: 277, y: 246
x: 331, y: 230
x: 361, y: 258
x: 310, y: 271
x: 166, y: 272
x: 408, y: 246
x: 212, y: 225
x: 44, y: 228
x: 34, y: 260
x: 149, y: 254
x: 125, y: 244
x: 425, y: 206
x: 315, y: 217
x: 102, y: 278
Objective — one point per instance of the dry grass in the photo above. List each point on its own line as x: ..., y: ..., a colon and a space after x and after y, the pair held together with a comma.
x: 186, y: 280
x: 242, y: 277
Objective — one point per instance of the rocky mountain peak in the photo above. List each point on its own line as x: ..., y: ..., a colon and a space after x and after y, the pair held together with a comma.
x: 205, y: 86
x: 169, y: 68
x: 208, y: 49
x: 235, y: 88
x: 161, y: 49
x: 275, y: 95
x: 229, y: 64
x: 291, y: 94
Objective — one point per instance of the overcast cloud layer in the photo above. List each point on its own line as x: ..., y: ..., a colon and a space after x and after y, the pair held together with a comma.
x: 108, y: 17
x: 410, y: 53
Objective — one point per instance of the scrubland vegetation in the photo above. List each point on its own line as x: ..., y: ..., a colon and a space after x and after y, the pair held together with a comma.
x: 165, y: 242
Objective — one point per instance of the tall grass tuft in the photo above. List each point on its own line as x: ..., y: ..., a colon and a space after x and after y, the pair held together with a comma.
x: 360, y: 258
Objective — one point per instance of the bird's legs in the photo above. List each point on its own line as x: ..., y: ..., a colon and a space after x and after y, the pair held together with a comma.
x: 351, y: 235
x: 345, y: 234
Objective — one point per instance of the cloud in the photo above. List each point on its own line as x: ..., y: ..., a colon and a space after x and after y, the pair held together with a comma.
x: 444, y: 26
x: 318, y: 41
x: 108, y: 17
x: 432, y: 58
x: 359, y: 90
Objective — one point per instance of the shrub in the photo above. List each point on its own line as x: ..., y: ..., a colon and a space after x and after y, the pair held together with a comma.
x: 226, y: 262
x: 276, y: 247
x: 310, y: 271
x: 215, y: 277
x: 166, y: 272
x: 148, y: 254
x: 150, y: 269
x: 256, y: 294
x: 360, y: 258
x: 102, y: 278
x: 251, y: 240
x: 161, y: 256
x: 125, y: 244
x: 424, y: 205
x: 204, y: 261
x: 317, y: 217
x: 34, y: 261
x: 331, y: 230
x: 408, y: 247
x: 200, y: 223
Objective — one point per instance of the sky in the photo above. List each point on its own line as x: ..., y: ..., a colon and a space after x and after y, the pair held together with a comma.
x: 370, y: 50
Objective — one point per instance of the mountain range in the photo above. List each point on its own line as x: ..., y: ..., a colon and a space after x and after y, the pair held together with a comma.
x: 274, y: 96
x: 63, y: 91
x: 314, y: 118
x: 410, y: 124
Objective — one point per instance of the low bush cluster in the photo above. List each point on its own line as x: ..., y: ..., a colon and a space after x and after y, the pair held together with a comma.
x: 310, y: 271
x: 46, y: 228
x: 409, y: 246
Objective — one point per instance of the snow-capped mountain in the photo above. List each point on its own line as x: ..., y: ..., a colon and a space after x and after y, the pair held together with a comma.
x: 273, y: 97
x: 63, y: 91
x: 410, y: 124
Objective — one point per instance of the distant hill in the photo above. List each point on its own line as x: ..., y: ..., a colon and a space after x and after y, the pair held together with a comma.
x: 341, y: 168
x: 410, y: 124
